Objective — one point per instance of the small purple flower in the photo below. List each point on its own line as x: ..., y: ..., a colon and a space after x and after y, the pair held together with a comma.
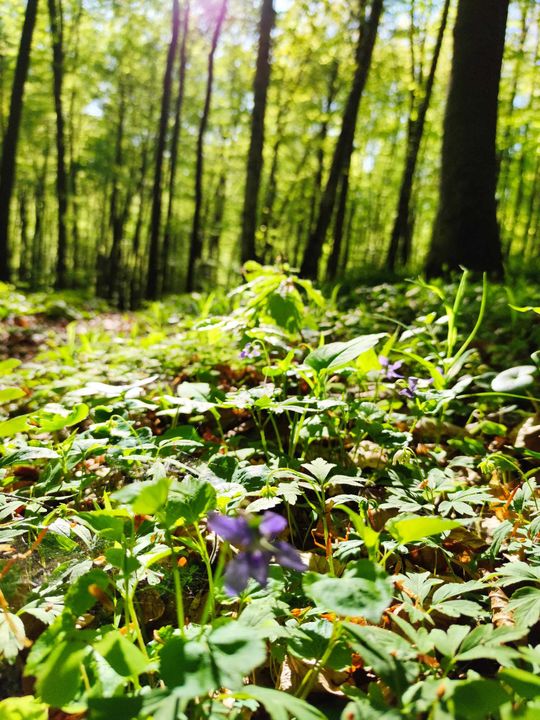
x: 254, y: 537
x: 391, y: 369
x: 250, y: 351
x: 413, y: 385
x: 410, y: 391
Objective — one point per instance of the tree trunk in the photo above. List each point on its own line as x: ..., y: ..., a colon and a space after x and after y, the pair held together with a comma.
x: 57, y: 35
x: 466, y: 232
x: 152, y: 282
x: 9, y: 147
x: 339, y: 224
x: 401, y: 240
x: 116, y: 217
x: 166, y: 278
x: 344, y: 146
x: 195, y: 249
x: 255, y: 153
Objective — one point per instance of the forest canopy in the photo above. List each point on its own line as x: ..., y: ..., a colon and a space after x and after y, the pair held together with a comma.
x: 152, y: 147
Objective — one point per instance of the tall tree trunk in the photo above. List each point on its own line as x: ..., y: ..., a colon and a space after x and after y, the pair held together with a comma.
x: 152, y: 282
x: 256, y: 144
x: 167, y: 237
x: 401, y: 239
x: 57, y: 35
x: 195, y: 248
x: 9, y: 147
x: 466, y: 231
x: 335, y: 255
x: 321, y: 139
x: 344, y: 146
x: 36, y: 273
x: 116, y: 217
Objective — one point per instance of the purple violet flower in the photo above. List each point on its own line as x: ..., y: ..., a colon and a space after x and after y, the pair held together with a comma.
x: 412, y: 388
x: 254, y: 537
x: 391, y: 369
x: 250, y: 351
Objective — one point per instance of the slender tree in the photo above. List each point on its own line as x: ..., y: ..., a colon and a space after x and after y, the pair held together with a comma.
x: 401, y: 239
x: 195, y: 248
x: 466, y: 231
x: 256, y: 144
x: 9, y: 147
x: 57, y: 34
x: 152, y: 282
x: 167, y: 236
x: 344, y: 146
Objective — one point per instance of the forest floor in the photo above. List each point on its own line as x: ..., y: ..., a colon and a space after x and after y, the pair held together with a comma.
x: 271, y: 504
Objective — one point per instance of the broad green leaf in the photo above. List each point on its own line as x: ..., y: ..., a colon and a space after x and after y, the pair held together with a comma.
x: 59, y: 677
x: 525, y: 684
x: 477, y: 699
x: 525, y: 606
x: 189, y: 501
x: 280, y: 705
x: 236, y: 652
x: 338, y: 354
x: 186, y: 665
x: 418, y: 527
x: 106, y: 522
x: 365, y: 590
x: 8, y: 394
x: 15, y: 425
x: 119, y: 708
x: 145, y: 498
x: 83, y: 593
x: 6, y: 366
x: 52, y: 422
x: 122, y: 655
x: 23, y: 708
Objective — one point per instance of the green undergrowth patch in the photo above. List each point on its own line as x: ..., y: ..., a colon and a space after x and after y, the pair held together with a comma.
x: 273, y: 503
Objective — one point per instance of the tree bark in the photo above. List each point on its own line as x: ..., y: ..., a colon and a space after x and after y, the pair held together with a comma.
x: 195, y: 249
x: 167, y: 237
x: 344, y: 146
x: 466, y: 232
x: 9, y: 147
x: 57, y: 35
x: 152, y: 282
x: 401, y: 239
x: 256, y: 145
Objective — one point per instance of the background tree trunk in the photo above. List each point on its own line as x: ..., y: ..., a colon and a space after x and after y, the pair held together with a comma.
x: 9, y: 147
x: 195, y: 248
x: 57, y: 35
x: 466, y: 231
x: 152, y: 281
x: 344, y: 146
x: 167, y: 236
x: 255, y: 152
x: 401, y: 240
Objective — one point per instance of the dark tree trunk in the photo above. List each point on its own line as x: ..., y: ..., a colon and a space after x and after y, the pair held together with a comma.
x: 167, y: 237
x: 116, y: 217
x: 335, y: 255
x: 466, y: 232
x: 344, y: 146
x: 36, y: 274
x: 152, y: 282
x: 9, y: 147
x: 26, y: 250
x: 321, y: 139
x: 195, y: 248
x: 255, y: 152
x: 401, y: 239
x: 57, y: 35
